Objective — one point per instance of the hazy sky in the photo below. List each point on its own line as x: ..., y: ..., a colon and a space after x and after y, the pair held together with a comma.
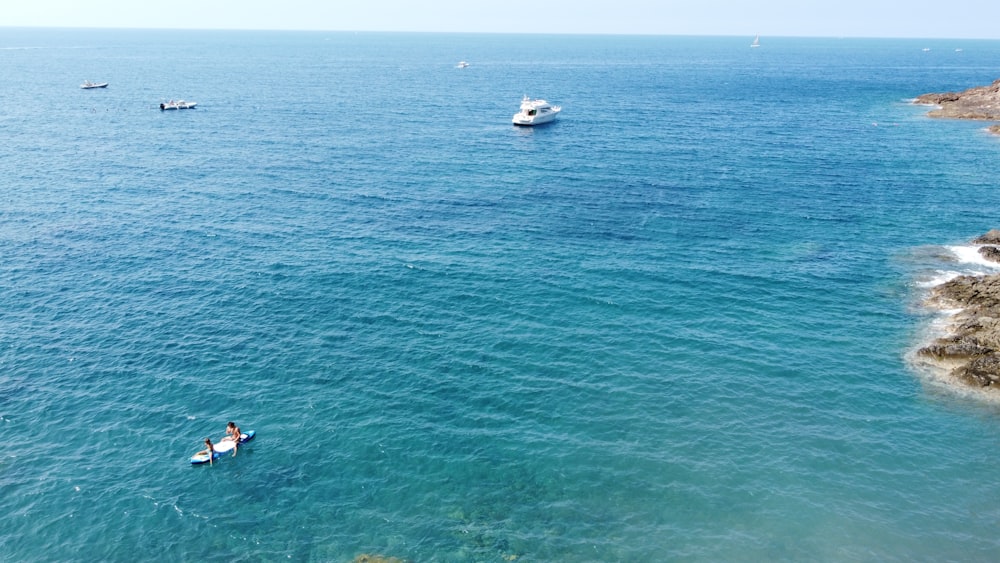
x: 829, y: 18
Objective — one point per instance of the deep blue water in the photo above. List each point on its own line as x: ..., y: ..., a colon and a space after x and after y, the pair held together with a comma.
x: 673, y: 325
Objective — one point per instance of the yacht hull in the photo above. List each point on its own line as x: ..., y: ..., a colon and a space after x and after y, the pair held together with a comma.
x: 536, y: 120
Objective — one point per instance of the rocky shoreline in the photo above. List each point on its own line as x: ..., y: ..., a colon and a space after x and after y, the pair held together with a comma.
x: 972, y: 348
x: 980, y: 103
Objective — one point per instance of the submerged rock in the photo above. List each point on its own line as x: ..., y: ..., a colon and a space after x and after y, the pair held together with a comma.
x: 370, y: 558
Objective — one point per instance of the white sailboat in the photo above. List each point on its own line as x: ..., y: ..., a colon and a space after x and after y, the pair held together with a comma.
x: 756, y: 41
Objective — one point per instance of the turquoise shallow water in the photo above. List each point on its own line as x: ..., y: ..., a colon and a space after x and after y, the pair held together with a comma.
x: 673, y: 325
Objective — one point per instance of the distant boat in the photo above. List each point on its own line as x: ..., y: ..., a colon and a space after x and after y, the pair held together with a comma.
x: 179, y: 104
x: 756, y: 41
x: 461, y: 64
x: 88, y: 85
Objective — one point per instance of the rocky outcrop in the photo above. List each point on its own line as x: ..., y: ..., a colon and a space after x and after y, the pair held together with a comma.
x: 991, y: 245
x: 990, y: 253
x: 981, y: 102
x: 992, y: 237
x: 973, y: 344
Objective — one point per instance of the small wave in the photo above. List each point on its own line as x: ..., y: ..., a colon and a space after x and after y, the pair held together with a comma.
x: 969, y: 254
x: 942, y: 325
x: 937, y: 278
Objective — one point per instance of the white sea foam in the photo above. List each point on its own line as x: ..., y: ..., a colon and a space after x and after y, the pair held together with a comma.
x: 969, y: 254
x: 942, y: 316
x: 937, y: 278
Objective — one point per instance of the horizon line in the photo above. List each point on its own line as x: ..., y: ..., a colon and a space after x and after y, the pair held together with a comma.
x: 439, y: 32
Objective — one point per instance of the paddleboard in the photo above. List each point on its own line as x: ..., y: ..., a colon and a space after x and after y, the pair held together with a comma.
x: 222, y: 447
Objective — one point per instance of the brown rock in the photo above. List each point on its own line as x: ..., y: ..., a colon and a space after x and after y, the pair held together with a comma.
x: 981, y: 293
x: 992, y: 237
x: 974, y: 341
x: 981, y: 102
x: 983, y: 371
x: 990, y: 253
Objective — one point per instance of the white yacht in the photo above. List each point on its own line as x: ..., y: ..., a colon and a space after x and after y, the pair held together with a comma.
x: 87, y: 85
x: 535, y: 112
x: 179, y: 104
x: 462, y: 64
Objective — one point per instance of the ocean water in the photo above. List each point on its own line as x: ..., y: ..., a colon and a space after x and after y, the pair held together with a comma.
x: 676, y: 324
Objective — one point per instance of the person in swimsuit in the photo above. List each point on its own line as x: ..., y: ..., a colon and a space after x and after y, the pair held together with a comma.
x: 233, y: 433
x: 209, y: 449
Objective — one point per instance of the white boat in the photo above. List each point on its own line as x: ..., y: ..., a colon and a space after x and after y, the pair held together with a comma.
x: 87, y: 85
x: 756, y: 41
x: 461, y: 64
x: 179, y: 104
x: 535, y: 112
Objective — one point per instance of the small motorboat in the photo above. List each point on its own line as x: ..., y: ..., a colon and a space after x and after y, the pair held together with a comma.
x: 535, y: 112
x: 88, y: 85
x: 462, y: 64
x: 179, y: 104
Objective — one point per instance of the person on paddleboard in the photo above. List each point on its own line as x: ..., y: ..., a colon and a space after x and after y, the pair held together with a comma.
x: 233, y: 433
x: 209, y: 449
